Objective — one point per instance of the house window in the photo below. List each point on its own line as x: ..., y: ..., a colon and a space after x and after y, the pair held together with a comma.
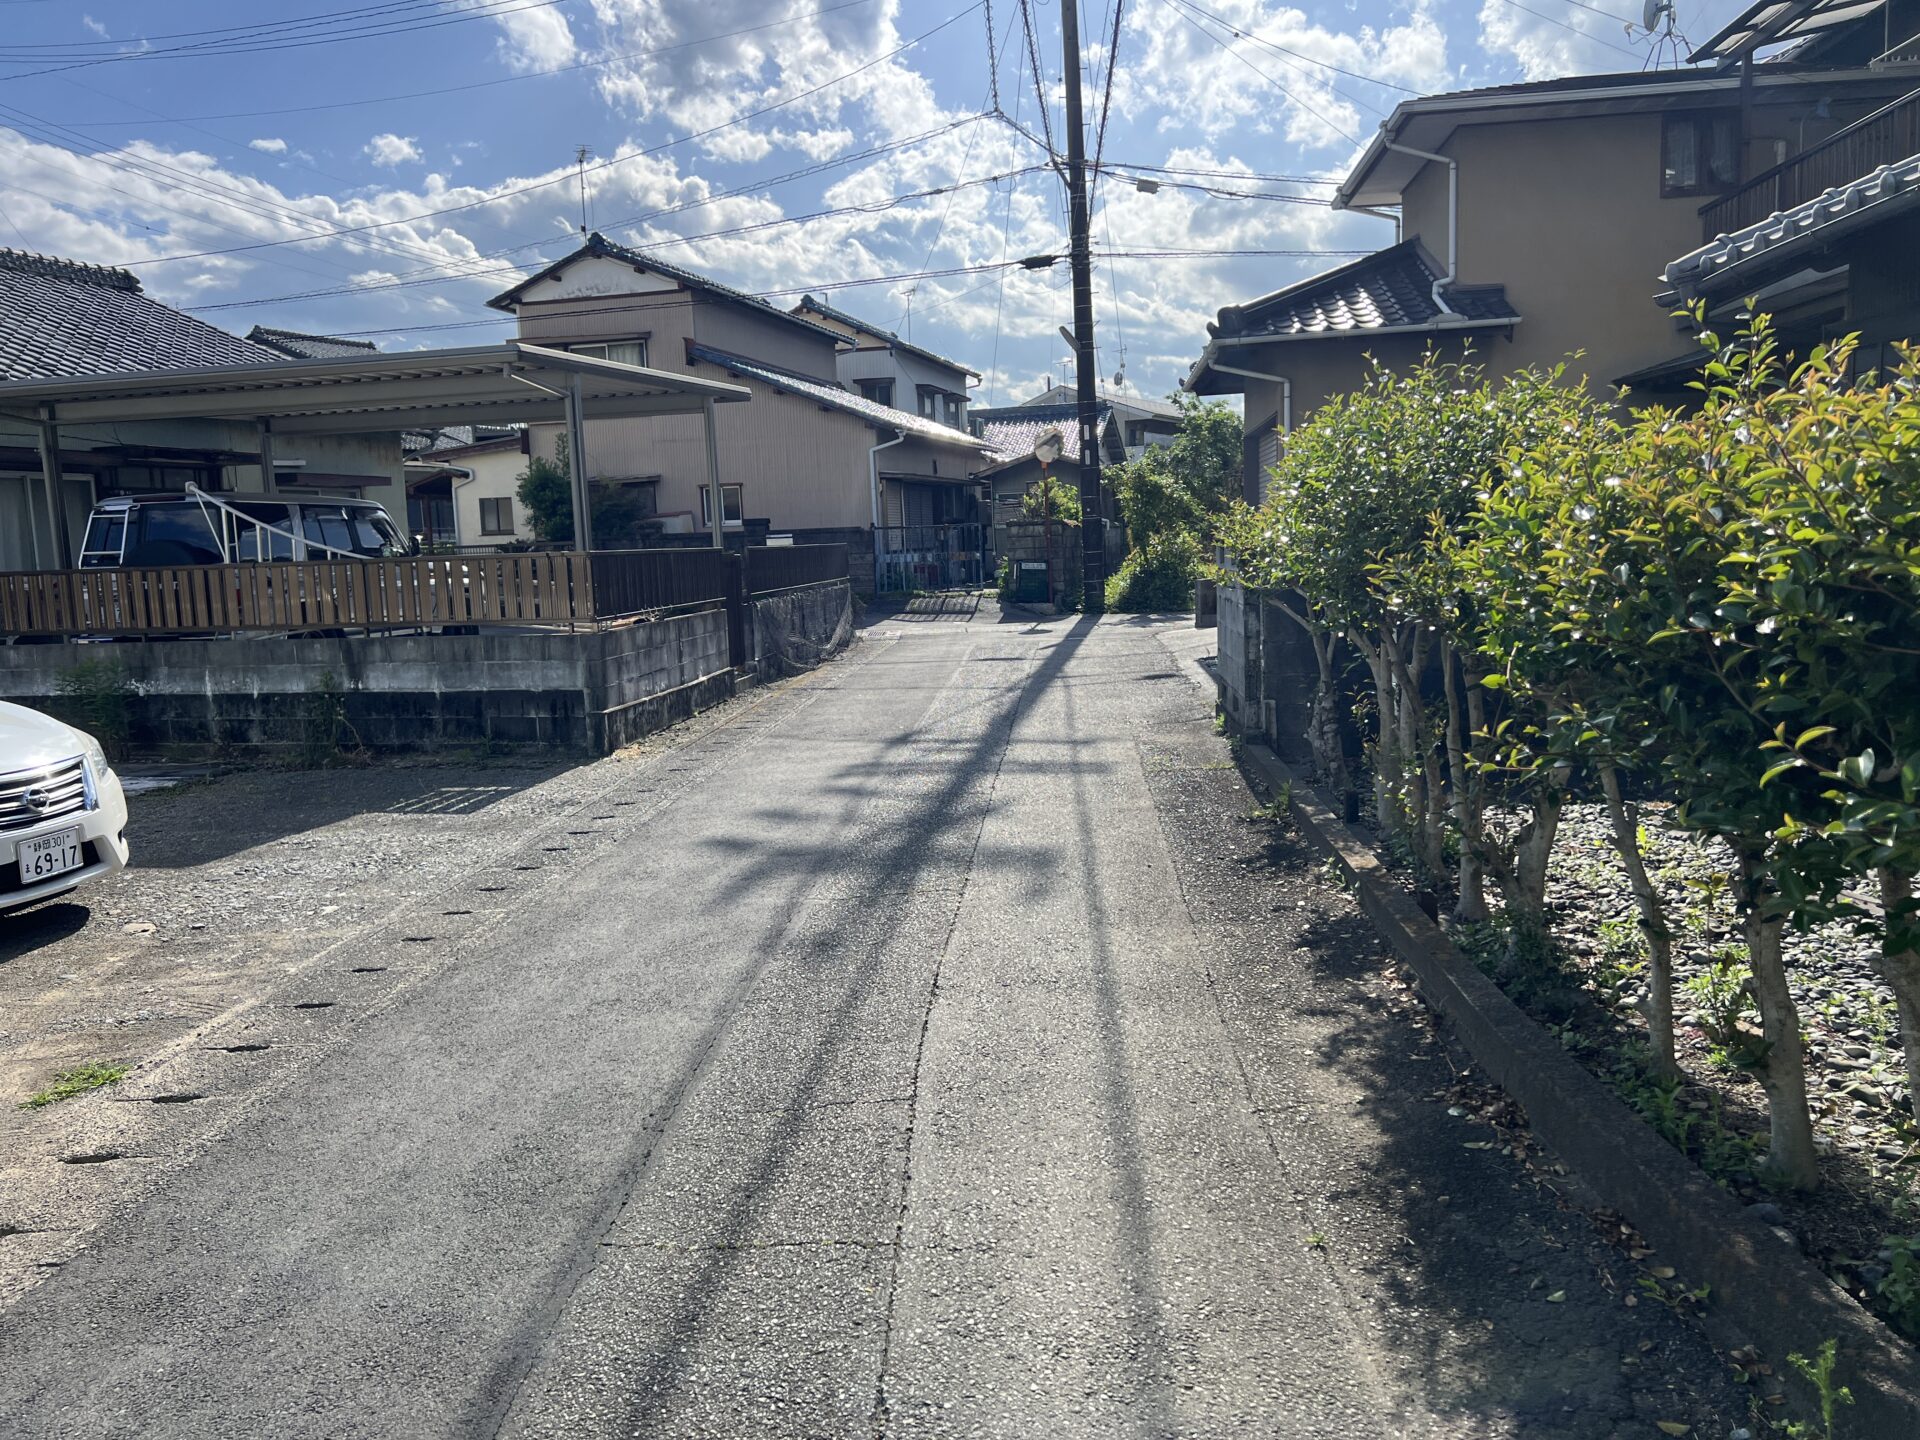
x: 730, y: 498
x: 956, y: 411
x: 1699, y: 154
x: 626, y: 352
x: 496, y: 515
x: 878, y: 391
x: 929, y: 402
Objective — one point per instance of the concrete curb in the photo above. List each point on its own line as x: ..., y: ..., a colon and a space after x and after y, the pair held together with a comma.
x: 1764, y: 1292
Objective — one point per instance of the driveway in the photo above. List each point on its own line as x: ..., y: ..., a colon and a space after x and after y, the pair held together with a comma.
x: 929, y: 1046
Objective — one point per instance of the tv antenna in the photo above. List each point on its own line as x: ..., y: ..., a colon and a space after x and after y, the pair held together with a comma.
x: 581, y: 155
x: 1658, y: 20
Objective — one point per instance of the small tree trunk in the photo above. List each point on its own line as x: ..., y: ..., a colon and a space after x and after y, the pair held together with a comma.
x: 1791, y: 1158
x: 1900, y: 967
x: 1470, y: 883
x: 1424, y: 790
x: 1525, y: 884
x: 1384, y: 720
x: 1477, y: 725
x: 1658, y: 1008
x: 1323, y: 721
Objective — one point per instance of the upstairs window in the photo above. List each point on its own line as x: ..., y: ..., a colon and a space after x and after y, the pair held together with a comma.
x: 880, y: 392
x: 626, y: 352
x: 1699, y: 154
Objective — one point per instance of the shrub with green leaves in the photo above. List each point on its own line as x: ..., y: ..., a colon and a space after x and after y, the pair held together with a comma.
x: 1157, y: 577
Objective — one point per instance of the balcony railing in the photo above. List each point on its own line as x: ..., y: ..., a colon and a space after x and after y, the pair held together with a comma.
x: 1889, y: 134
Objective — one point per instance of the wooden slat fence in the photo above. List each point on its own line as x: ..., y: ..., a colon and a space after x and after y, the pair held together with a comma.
x: 520, y: 589
x: 635, y: 582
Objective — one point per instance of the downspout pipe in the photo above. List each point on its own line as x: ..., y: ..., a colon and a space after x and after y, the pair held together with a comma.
x: 1378, y: 214
x: 1453, y: 221
x: 1286, y: 390
x: 873, y: 475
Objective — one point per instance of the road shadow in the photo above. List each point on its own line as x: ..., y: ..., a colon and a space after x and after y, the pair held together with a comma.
x: 919, y: 832
x: 1499, y: 1301
x: 209, y: 820
x: 26, y: 930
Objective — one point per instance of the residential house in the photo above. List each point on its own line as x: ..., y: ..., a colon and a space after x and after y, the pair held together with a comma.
x: 1823, y: 242
x: 1014, y: 430
x: 879, y: 366
x: 809, y: 457
x: 463, y: 486
x: 1531, y: 218
x: 1142, y: 422
x: 63, y: 318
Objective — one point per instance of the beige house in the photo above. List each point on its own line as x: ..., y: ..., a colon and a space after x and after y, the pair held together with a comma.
x: 1535, y: 221
x: 807, y: 458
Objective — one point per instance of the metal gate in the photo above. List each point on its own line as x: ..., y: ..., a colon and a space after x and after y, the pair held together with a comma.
x: 930, y: 557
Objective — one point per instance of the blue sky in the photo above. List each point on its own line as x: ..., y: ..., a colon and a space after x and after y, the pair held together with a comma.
x: 193, y: 146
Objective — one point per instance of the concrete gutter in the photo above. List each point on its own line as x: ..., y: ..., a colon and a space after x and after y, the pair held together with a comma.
x: 1764, y: 1292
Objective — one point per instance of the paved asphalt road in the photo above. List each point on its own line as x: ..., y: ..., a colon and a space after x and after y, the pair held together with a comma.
x: 938, y: 1049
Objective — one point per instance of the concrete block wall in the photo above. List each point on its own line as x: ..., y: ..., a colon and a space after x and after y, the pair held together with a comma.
x: 582, y: 691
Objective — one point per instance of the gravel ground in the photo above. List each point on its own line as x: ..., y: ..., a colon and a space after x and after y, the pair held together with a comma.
x: 1855, y: 1072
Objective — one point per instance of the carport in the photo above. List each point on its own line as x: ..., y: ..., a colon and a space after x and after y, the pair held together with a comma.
x: 511, y: 383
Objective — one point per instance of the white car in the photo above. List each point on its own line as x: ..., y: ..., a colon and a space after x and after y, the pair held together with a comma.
x: 63, y: 818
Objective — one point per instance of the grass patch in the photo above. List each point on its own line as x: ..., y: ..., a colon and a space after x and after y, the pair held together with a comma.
x: 78, y: 1081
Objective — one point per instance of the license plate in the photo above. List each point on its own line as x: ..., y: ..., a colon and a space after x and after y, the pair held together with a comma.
x: 46, y: 856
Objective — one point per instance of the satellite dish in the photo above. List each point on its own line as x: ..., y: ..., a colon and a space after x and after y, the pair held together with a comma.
x: 1651, y: 12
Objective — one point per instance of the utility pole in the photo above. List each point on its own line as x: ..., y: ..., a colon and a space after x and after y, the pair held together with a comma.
x: 580, y: 163
x: 1093, y: 550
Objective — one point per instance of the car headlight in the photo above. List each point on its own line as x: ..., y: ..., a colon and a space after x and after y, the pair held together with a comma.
x: 95, y: 757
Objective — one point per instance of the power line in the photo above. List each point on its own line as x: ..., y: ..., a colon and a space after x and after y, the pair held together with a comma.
x: 1131, y: 165
x: 1228, y: 48
x: 1575, y: 29
x: 1039, y: 79
x: 730, y: 232
x: 1309, y: 59
x: 491, y: 9
x: 568, y: 176
x: 482, y: 84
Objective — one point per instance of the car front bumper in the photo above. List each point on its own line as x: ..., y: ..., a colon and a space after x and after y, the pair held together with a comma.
x: 103, y: 837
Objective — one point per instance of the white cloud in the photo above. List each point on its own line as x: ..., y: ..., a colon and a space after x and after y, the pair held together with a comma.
x: 1564, y: 45
x: 95, y: 26
x: 270, y: 145
x: 532, y: 38
x: 390, y: 149
x: 1277, y: 79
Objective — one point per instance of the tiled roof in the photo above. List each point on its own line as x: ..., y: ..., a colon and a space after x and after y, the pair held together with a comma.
x: 598, y: 244
x: 820, y: 307
x: 296, y: 346
x: 454, y: 437
x: 61, y: 318
x: 1389, y: 290
x: 1012, y: 431
x: 833, y: 396
x: 1890, y: 190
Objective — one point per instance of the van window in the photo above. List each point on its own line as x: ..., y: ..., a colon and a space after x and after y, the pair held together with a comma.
x: 104, y: 534
x: 179, y: 533
x: 326, y: 525
x: 255, y: 543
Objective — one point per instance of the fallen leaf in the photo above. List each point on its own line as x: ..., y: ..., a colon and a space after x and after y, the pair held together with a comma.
x: 1556, y: 1297
x: 1661, y: 1272
x: 1671, y: 1427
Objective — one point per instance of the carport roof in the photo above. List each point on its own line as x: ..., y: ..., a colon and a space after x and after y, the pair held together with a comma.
x: 509, y: 383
